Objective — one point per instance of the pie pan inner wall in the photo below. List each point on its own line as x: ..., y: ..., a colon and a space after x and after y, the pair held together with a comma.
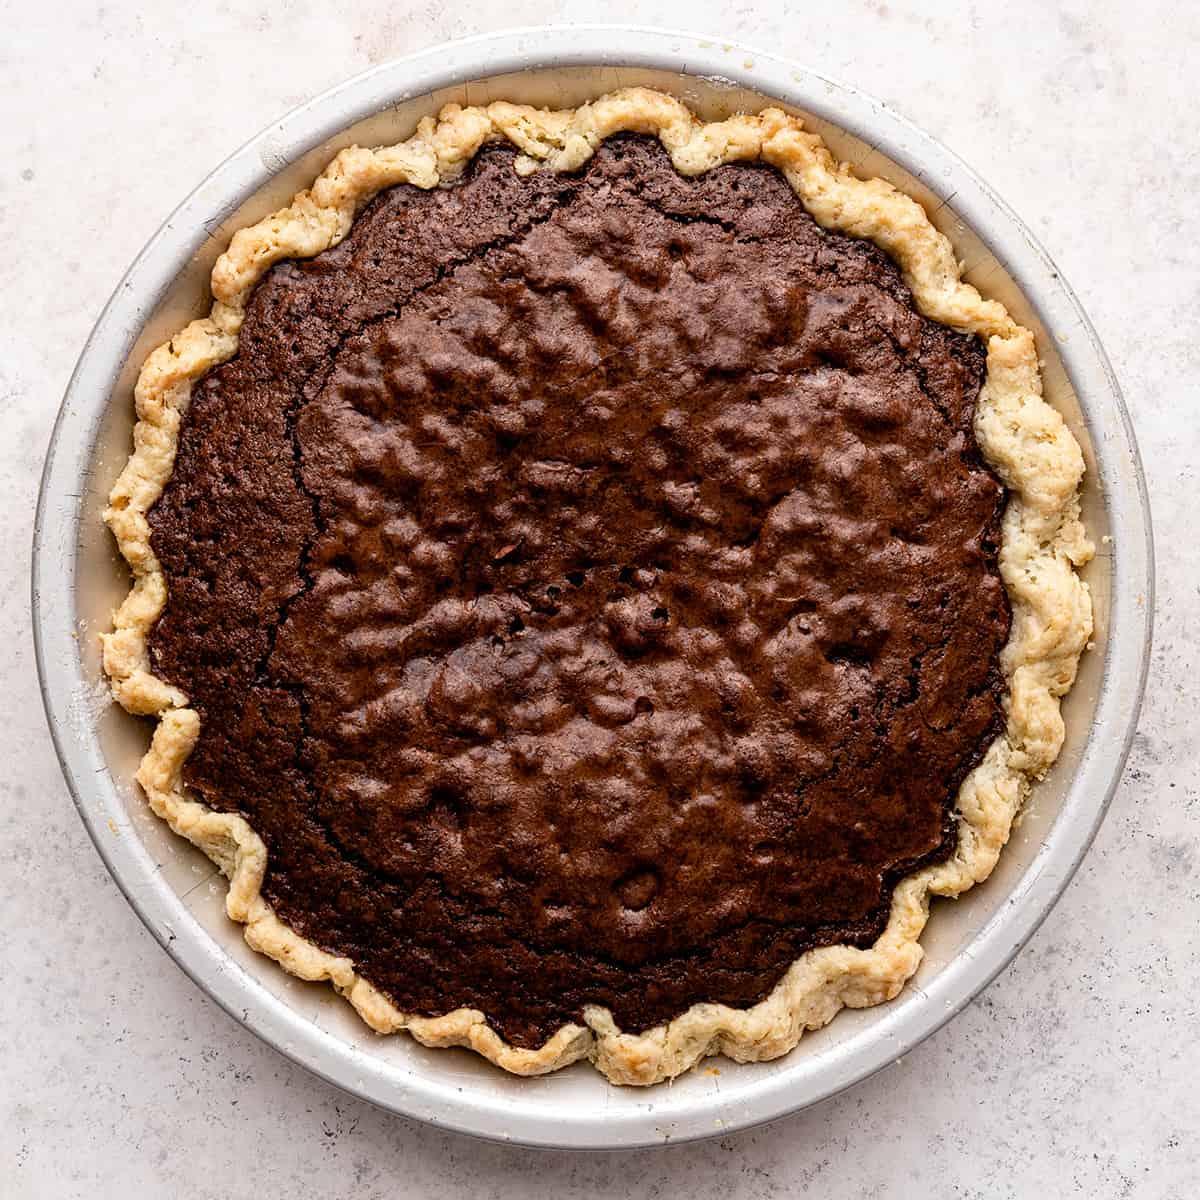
x: 179, y: 891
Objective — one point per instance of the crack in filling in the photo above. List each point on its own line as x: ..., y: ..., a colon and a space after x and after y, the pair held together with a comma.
x: 587, y: 585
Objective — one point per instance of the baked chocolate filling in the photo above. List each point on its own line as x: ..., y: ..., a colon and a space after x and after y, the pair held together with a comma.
x: 587, y: 584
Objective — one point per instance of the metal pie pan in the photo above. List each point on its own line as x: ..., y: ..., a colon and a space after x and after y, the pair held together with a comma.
x: 77, y: 580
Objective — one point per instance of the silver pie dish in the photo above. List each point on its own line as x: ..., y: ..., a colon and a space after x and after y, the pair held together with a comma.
x: 78, y: 581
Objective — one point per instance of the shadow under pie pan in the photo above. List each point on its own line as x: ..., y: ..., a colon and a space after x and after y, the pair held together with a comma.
x: 79, y: 579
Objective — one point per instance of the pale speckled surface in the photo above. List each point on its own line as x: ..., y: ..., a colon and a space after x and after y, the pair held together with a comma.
x: 1072, y: 1075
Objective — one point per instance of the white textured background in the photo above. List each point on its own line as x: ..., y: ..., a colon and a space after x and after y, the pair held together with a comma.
x: 1075, y: 1073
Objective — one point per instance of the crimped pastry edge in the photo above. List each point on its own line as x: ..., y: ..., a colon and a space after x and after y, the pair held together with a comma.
x: 1021, y: 436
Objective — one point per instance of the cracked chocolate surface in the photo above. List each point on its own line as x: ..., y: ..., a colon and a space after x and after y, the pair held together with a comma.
x: 588, y: 588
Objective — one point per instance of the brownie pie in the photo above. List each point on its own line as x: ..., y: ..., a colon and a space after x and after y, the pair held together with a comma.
x: 594, y: 586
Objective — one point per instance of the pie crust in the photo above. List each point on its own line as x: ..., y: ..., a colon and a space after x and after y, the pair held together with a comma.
x: 1023, y: 439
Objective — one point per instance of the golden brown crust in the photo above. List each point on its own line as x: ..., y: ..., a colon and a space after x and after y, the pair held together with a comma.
x: 1023, y: 438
